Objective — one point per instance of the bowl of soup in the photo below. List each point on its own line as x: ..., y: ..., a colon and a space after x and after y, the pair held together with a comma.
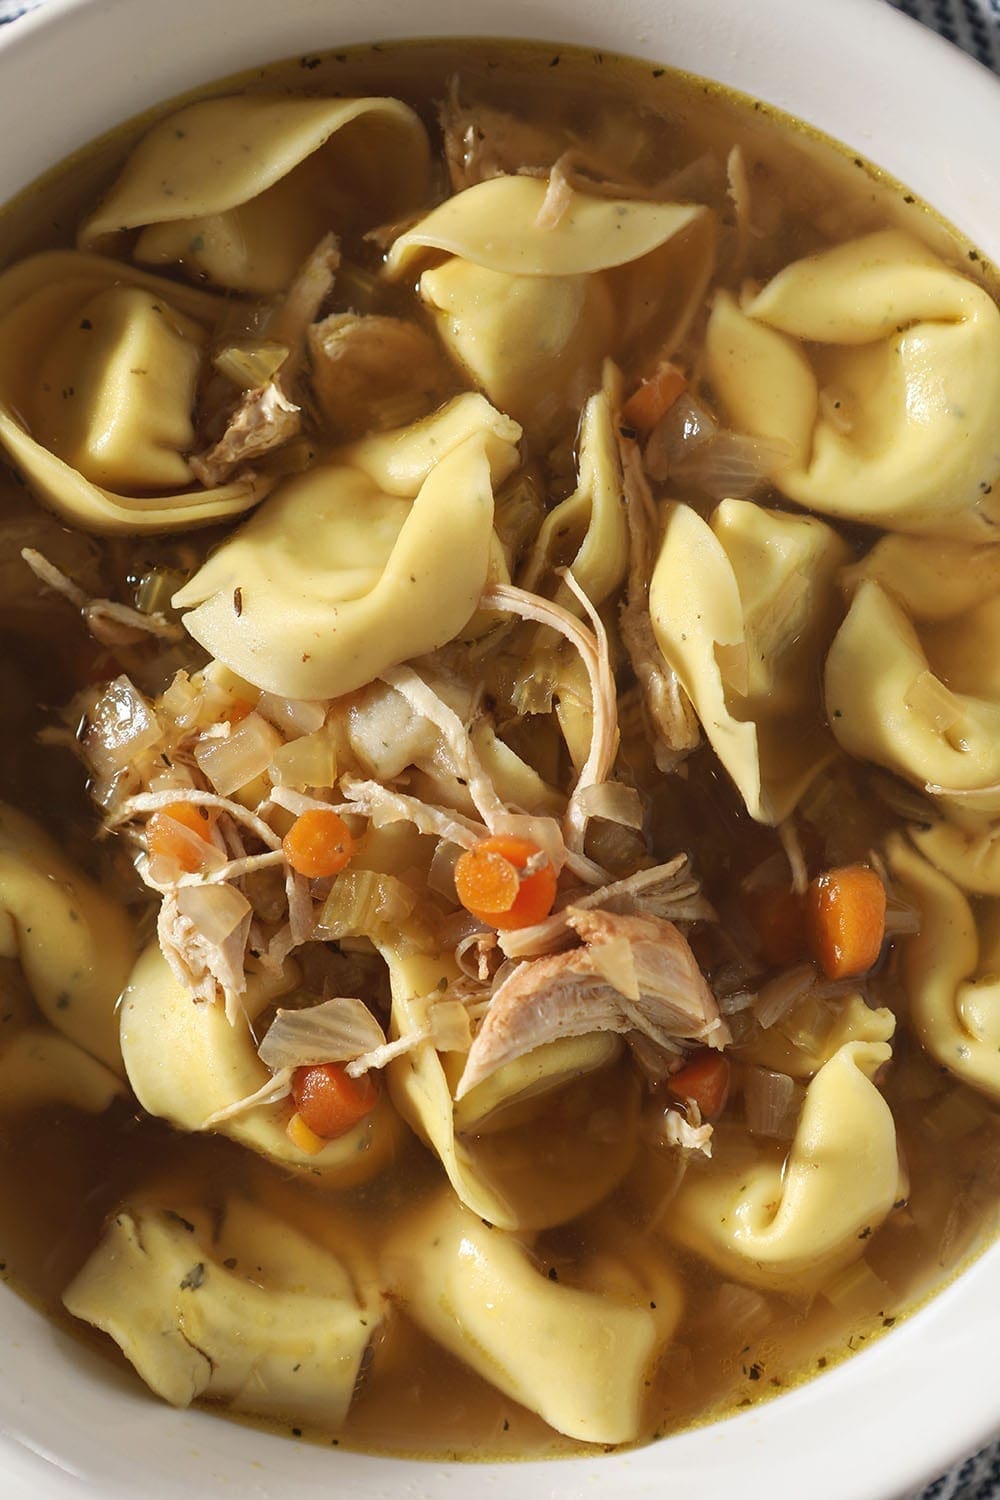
x: 497, y: 852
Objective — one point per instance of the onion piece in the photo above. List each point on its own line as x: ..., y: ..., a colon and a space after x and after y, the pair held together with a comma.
x: 310, y: 760
x: 362, y: 903
x: 334, y: 1031
x: 234, y: 760
x: 772, y: 1102
x: 293, y: 716
x: 121, y: 727
x: 776, y: 998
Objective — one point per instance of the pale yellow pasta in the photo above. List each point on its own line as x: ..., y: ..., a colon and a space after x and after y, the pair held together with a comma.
x: 580, y: 1358
x: 528, y: 306
x: 279, y: 1329
x: 792, y: 1228
x: 73, y: 941
x: 879, y: 367
x: 800, y: 1045
x: 240, y: 189
x: 98, y: 367
x: 950, y: 972
x: 38, y: 1067
x: 186, y: 1063
x: 742, y: 608
x: 360, y: 563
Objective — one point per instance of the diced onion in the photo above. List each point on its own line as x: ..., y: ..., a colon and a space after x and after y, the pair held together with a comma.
x: 244, y: 753
x: 441, y: 875
x: 740, y: 1308
x: 310, y: 761
x: 293, y: 716
x: 449, y: 1026
x: 773, y: 1101
x: 776, y: 998
x: 362, y: 902
x: 121, y: 726
x: 216, y: 910
x: 858, y: 1290
x: 613, y: 801
x: 333, y: 1031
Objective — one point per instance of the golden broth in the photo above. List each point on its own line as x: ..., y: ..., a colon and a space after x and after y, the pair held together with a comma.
x: 62, y: 1173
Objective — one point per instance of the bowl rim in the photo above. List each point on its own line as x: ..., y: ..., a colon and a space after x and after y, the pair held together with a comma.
x: 951, y: 1405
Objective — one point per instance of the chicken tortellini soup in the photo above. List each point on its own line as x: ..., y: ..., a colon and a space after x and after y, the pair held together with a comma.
x: 500, y: 827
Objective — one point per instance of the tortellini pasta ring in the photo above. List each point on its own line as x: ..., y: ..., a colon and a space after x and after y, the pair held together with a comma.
x: 789, y: 1229
x: 240, y: 189
x: 741, y: 608
x: 951, y: 972
x: 880, y: 366
x: 359, y: 564
x: 98, y: 366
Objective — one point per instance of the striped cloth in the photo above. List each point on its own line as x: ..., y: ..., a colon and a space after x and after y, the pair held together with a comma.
x: 973, y: 25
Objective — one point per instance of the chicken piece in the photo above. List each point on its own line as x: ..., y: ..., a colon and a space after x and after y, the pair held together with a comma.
x: 667, y: 706
x: 266, y: 417
x: 632, y: 974
x: 481, y: 142
x: 372, y: 373
x: 263, y: 420
x: 203, y: 933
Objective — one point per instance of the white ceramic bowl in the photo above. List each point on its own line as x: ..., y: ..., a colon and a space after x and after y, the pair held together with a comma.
x: 894, y: 1415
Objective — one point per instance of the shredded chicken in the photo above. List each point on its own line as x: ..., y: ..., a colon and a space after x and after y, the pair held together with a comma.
x: 110, y: 623
x: 206, y: 964
x: 373, y: 373
x: 668, y: 891
x: 558, y: 194
x: 593, y: 648
x: 482, y: 142
x: 667, y: 707
x: 631, y: 974
x: 264, y: 420
x: 687, y: 1130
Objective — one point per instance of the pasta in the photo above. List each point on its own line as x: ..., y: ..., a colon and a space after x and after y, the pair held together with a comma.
x: 498, y: 860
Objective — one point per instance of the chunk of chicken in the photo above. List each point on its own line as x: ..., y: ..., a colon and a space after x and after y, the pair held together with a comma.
x: 631, y: 974
x: 371, y: 373
x: 263, y: 421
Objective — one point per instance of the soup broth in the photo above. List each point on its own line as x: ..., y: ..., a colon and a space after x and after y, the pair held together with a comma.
x: 710, y: 1225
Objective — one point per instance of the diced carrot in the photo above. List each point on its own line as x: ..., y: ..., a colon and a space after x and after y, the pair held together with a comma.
x: 300, y: 1135
x: 329, y: 1101
x: 653, y: 398
x: 165, y: 835
x: 491, y: 887
x: 705, y: 1079
x: 845, y: 917
x: 777, y: 916
x: 318, y: 843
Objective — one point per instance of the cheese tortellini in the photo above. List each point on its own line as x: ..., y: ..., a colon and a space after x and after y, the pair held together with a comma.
x: 187, y: 1064
x: 360, y: 563
x: 926, y: 702
x: 578, y: 1357
x: 790, y: 1227
x: 240, y: 189
x: 879, y: 367
x: 951, y: 972
x: 515, y: 1187
x: 73, y: 941
x: 255, y: 1314
x: 742, y: 608
x: 99, y: 365
x: 530, y: 307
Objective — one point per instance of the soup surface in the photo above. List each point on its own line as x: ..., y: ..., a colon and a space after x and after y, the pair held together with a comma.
x: 499, y: 891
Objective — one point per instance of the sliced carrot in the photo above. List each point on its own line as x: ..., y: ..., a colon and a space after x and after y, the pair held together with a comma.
x: 490, y: 885
x: 169, y: 834
x: 845, y: 918
x: 705, y: 1079
x: 653, y: 398
x: 300, y: 1135
x: 329, y: 1101
x: 777, y: 916
x: 319, y: 843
